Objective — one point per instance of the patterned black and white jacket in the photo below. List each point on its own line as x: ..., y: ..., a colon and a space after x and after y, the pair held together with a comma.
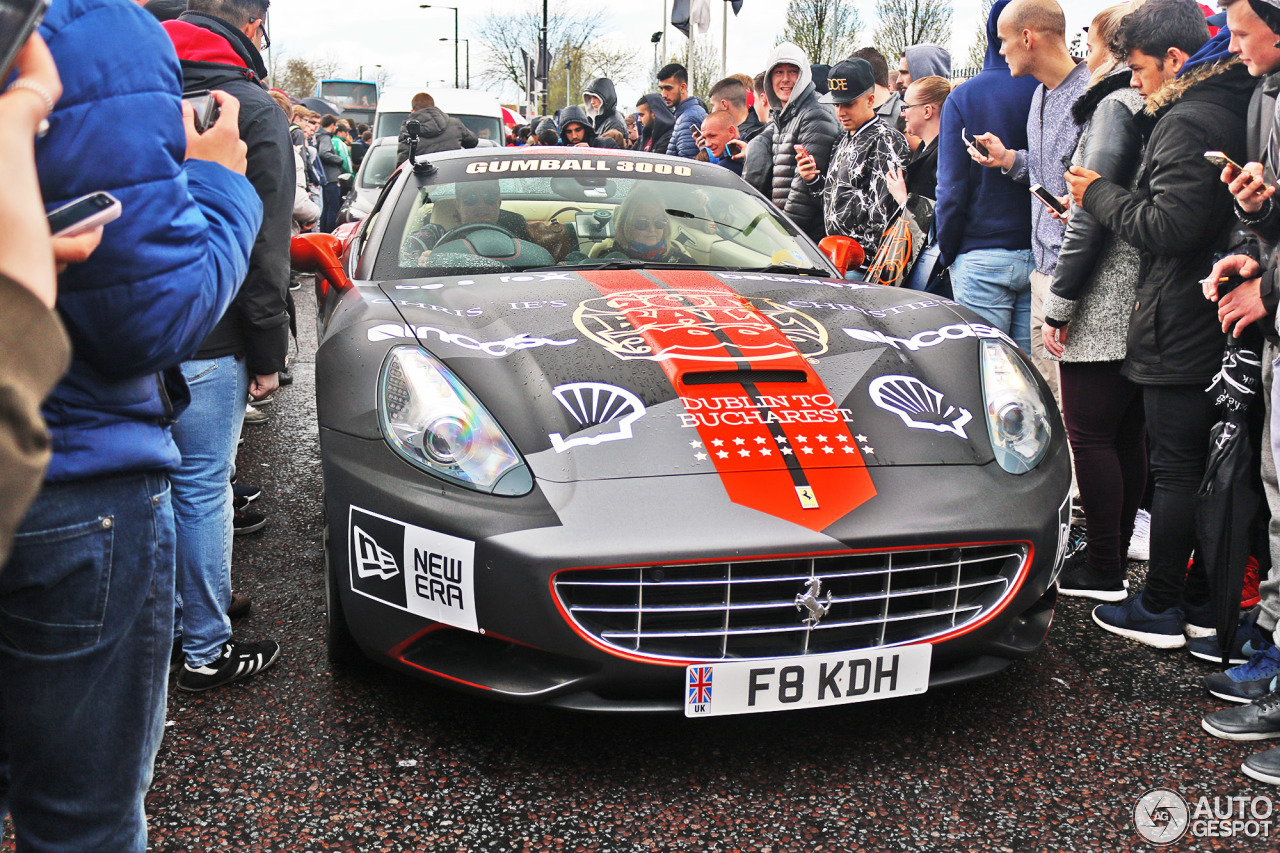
x: 856, y: 201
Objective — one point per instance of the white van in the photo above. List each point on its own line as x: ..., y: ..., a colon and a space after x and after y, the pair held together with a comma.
x: 478, y: 110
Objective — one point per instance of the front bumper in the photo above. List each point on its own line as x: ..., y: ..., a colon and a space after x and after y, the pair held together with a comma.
x: 526, y: 650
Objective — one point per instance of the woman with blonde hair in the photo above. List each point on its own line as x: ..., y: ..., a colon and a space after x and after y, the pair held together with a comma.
x: 643, y: 230
x: 1087, y: 324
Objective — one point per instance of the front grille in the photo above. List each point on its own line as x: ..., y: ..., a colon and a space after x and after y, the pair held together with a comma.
x: 748, y: 609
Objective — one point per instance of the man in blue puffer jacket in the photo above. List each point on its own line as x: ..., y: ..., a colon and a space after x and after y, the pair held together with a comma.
x: 86, y: 600
x: 673, y: 85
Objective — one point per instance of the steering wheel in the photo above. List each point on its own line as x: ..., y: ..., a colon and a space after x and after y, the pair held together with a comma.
x: 413, y: 244
x: 467, y: 230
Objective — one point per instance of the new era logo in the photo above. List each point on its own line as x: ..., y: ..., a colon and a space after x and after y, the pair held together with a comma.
x: 372, y: 560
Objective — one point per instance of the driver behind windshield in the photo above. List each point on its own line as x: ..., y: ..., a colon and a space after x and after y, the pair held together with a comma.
x: 478, y: 202
x: 644, y: 231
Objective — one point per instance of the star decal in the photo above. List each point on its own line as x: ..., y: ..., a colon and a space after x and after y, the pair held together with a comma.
x: 717, y: 442
x: 848, y: 449
x: 822, y: 438
x: 861, y: 438
x: 739, y: 441
x: 828, y: 450
x: 760, y: 440
x: 807, y: 449
x: 723, y: 454
x: 870, y: 450
x: 786, y: 451
x: 744, y: 453
x: 844, y: 438
x: 801, y: 439
x: 782, y: 439
x: 695, y: 444
x: 766, y: 452
x: 701, y: 457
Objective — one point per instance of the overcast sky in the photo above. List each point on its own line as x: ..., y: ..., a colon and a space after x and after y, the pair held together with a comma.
x: 405, y: 39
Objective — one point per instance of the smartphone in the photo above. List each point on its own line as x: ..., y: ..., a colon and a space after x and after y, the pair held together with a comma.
x: 972, y: 142
x: 18, y: 20
x: 207, y: 109
x: 1221, y: 160
x: 84, y: 214
x: 802, y: 151
x: 1049, y: 199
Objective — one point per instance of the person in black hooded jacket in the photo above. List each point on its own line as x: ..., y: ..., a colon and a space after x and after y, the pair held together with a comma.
x: 605, y: 112
x: 658, y: 121
x: 439, y: 132
x: 217, y: 42
x: 576, y: 128
x: 1178, y: 217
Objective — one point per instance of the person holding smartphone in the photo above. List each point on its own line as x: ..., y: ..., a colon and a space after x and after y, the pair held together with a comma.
x: 1087, y: 324
x: 86, y: 620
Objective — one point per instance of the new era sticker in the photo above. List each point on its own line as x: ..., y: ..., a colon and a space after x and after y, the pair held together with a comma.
x: 411, y: 568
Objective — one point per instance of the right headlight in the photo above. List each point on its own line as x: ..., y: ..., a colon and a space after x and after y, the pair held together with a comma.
x: 435, y: 423
x: 1017, y: 418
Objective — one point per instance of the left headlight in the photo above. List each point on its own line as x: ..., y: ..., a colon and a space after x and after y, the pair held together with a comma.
x: 1017, y: 418
x: 435, y: 423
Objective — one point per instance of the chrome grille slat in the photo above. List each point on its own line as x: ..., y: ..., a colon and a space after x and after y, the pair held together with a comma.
x: 744, y: 609
x: 766, y: 605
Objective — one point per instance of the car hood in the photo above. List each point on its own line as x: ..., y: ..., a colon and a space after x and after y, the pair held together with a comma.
x: 615, y: 374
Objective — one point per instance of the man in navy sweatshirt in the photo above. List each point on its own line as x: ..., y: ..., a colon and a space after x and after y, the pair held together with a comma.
x: 984, y: 218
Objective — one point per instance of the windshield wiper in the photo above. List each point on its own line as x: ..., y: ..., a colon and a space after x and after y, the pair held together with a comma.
x: 791, y: 269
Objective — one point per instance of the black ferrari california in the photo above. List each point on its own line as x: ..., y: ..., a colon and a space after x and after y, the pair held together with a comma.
x: 605, y: 431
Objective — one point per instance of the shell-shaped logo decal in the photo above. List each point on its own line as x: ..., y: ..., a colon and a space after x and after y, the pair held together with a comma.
x: 655, y: 326
x: 595, y: 403
x: 919, y: 406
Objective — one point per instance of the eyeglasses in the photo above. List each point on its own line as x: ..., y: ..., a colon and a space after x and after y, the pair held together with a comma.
x: 907, y: 106
x: 262, y: 28
x: 657, y: 224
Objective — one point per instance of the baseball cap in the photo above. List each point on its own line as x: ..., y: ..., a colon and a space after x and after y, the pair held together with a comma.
x: 848, y: 80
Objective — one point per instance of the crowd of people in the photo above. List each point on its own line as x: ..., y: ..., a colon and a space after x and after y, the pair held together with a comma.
x: 1069, y: 203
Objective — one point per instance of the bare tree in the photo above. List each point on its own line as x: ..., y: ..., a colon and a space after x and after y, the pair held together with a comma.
x: 576, y: 66
x: 903, y: 23
x: 298, y: 77
x: 978, y: 48
x: 827, y: 30
x: 572, y: 27
x: 703, y: 68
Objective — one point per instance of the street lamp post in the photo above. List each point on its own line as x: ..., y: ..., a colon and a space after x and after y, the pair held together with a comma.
x: 456, y: 78
x: 467, y: 42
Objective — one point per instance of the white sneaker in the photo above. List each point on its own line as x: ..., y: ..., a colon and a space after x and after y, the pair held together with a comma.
x: 1140, y: 544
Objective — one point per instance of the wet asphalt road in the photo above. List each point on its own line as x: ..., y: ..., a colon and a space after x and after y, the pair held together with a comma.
x: 1052, y: 754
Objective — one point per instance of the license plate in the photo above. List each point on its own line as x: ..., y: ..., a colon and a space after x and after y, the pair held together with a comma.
x: 809, y: 681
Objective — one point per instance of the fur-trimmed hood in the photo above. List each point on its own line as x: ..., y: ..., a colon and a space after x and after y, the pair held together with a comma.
x: 1082, y: 110
x: 1176, y: 89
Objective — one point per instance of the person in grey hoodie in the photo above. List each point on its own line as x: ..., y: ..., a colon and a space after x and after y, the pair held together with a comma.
x: 923, y: 60
x: 798, y: 120
x: 601, y: 100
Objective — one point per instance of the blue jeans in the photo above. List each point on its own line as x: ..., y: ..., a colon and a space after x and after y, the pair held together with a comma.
x: 86, y: 608
x: 996, y: 285
x: 206, y: 434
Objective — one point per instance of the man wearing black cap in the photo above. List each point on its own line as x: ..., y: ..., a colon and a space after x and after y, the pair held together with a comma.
x: 856, y: 201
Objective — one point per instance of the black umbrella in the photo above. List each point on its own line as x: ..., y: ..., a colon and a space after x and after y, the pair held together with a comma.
x: 1228, y: 497
x: 320, y: 105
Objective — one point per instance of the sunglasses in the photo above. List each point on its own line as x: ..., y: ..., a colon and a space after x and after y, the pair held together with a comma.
x: 658, y: 224
x: 262, y: 28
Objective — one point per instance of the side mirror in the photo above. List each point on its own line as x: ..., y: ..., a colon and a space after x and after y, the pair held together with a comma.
x: 845, y: 252
x: 319, y: 254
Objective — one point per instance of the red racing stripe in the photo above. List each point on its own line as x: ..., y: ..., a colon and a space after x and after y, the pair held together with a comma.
x: 782, y: 448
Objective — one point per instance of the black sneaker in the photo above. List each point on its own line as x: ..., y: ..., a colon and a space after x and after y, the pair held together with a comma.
x: 238, y: 660
x: 245, y: 521
x: 286, y: 378
x: 1264, y: 766
x: 1259, y: 720
x: 1080, y: 580
x: 246, y: 493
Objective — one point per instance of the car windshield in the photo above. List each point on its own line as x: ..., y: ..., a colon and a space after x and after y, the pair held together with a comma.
x: 378, y: 165
x: 583, y: 212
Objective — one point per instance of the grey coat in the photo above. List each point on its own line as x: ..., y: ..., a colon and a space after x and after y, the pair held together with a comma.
x: 1095, y: 282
